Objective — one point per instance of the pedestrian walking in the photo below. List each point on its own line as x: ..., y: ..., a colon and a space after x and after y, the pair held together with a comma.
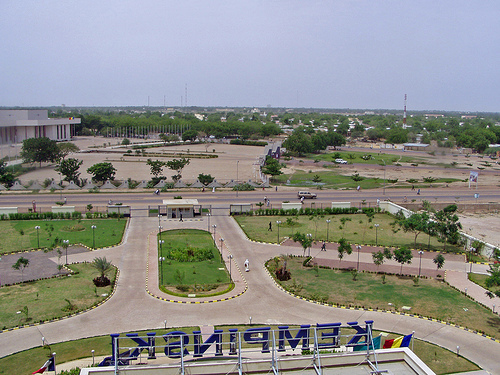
x: 180, y: 217
x: 418, y: 192
x: 270, y: 229
x: 323, y: 246
x: 358, y: 188
x: 65, y: 200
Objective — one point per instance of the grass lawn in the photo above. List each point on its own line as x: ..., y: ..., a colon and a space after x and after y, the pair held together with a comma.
x: 430, y: 298
x: 358, y: 230
x: 441, y: 361
x: 30, y: 360
x: 21, y: 235
x: 48, y: 299
x: 480, y: 279
x: 333, y: 180
x: 371, y: 157
x: 199, y: 276
x: 328, y: 179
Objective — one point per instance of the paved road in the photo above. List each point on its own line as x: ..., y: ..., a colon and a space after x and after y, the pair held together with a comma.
x: 132, y: 308
x: 141, y: 199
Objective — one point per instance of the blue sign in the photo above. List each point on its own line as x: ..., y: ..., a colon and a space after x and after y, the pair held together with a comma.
x: 178, y: 343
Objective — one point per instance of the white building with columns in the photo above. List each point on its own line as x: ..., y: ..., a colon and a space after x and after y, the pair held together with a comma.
x: 16, y: 125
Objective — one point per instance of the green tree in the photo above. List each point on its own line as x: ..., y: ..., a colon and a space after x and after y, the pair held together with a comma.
x: 447, y: 225
x: 402, y: 255
x: 177, y: 165
x: 344, y: 248
x: 21, y: 264
x: 299, y: 142
x: 336, y: 139
x: 38, y: 150
x: 304, y: 240
x: 102, y: 171
x: 494, y: 278
x: 69, y: 169
x: 416, y: 224
x: 189, y: 135
x: 66, y: 148
x: 156, y: 167
x: 6, y: 177
x: 439, y: 261
x: 397, y: 135
x: 205, y: 179
x: 380, y: 256
x: 272, y: 167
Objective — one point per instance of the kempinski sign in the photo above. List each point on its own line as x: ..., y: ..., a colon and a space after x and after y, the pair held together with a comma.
x: 179, y: 344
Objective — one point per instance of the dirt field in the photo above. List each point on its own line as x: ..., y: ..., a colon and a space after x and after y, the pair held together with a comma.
x: 232, y: 161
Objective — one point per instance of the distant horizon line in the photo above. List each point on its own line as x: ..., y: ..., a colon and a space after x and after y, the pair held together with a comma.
x: 266, y: 108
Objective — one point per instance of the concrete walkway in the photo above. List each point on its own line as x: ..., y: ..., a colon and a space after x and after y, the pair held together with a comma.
x: 132, y: 308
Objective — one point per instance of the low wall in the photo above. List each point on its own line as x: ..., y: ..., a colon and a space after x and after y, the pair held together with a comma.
x: 63, y: 209
x: 341, y: 204
x: 393, y: 208
x: 291, y: 206
x: 8, y: 210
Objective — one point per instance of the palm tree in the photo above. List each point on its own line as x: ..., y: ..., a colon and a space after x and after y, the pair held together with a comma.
x: 103, y: 266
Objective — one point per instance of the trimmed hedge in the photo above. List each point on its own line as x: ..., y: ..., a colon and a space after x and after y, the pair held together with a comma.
x: 42, y: 216
x: 310, y: 211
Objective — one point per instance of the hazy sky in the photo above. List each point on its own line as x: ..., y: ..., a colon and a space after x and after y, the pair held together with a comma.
x: 445, y: 54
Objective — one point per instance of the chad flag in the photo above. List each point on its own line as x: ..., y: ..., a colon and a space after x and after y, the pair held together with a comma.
x: 399, y: 342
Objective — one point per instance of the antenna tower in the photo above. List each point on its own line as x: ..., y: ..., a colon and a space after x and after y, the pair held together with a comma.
x: 404, y: 115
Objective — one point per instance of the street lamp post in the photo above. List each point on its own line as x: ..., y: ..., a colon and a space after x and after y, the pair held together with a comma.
x: 221, y: 243
x: 327, y: 228
x: 420, y: 262
x: 384, y: 174
x: 215, y: 229
x: 230, y: 257
x: 208, y: 215
x: 38, y: 236
x: 359, y: 248
x: 161, y: 259
x: 65, y: 245
x: 93, y: 236
x: 376, y: 234
x: 278, y: 223
x: 309, y: 235
x: 237, y: 185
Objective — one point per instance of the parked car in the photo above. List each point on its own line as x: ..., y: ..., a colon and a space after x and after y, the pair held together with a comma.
x: 340, y: 161
x: 306, y: 194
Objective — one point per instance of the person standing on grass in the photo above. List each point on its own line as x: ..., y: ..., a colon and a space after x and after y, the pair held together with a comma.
x: 270, y: 226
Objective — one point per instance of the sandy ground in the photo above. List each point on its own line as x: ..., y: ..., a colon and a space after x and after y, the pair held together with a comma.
x: 232, y: 162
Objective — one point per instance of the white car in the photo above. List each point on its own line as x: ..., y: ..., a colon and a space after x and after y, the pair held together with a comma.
x: 340, y: 161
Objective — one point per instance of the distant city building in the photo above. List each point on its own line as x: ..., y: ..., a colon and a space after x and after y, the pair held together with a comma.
x: 20, y: 124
